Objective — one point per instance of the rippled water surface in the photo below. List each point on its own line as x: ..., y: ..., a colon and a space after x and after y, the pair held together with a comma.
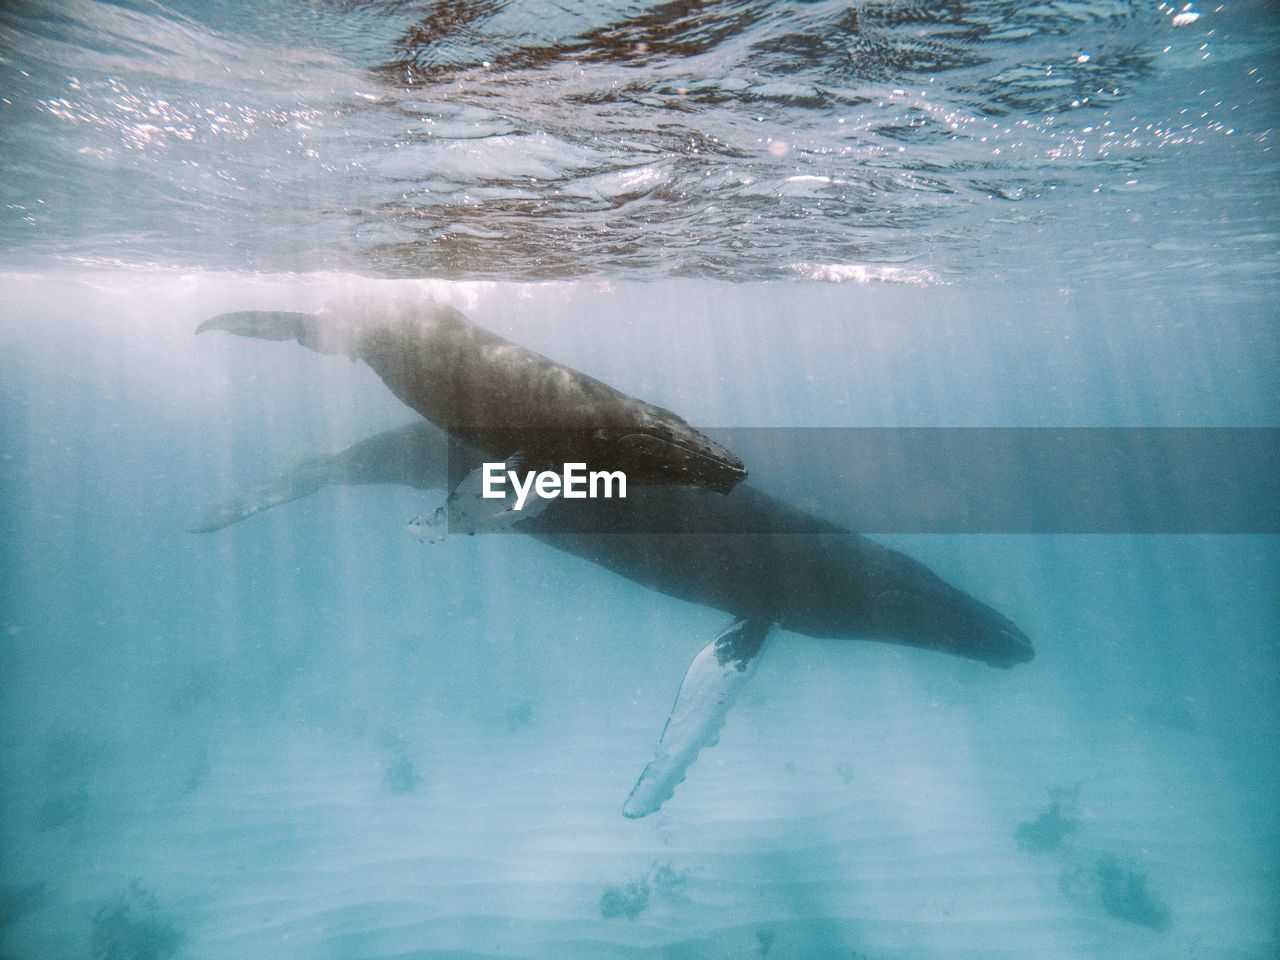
x: 734, y: 140
x: 310, y: 736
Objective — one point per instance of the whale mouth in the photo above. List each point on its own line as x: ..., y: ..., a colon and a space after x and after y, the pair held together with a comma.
x: 659, y: 459
x: 1012, y: 648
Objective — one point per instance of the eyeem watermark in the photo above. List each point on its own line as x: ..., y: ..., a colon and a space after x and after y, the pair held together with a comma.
x: 575, y: 483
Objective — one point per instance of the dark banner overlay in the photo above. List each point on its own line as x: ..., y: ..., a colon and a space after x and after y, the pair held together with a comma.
x: 937, y: 480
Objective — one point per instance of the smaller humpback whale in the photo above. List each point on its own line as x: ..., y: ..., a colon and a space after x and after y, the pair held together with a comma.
x: 509, y: 402
x: 780, y: 567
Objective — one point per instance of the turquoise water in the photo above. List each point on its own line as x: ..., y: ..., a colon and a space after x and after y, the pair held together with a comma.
x: 310, y: 736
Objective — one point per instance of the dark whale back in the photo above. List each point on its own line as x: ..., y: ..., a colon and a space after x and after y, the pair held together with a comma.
x: 754, y: 556
x: 746, y: 553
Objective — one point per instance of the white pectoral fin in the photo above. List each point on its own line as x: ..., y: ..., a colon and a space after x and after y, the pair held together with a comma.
x: 430, y: 527
x: 710, y: 687
x: 467, y: 510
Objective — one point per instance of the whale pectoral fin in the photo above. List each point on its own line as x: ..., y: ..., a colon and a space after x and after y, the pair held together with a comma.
x: 304, y: 479
x: 430, y: 527
x: 468, y: 510
x: 710, y: 687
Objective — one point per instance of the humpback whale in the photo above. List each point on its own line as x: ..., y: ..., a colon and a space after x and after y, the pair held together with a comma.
x: 779, y: 568
x: 505, y: 400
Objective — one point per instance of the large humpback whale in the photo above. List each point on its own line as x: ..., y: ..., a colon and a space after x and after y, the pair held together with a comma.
x: 782, y: 568
x: 502, y: 398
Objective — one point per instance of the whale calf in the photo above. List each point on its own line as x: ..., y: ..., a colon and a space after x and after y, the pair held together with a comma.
x: 784, y: 569
x: 505, y: 400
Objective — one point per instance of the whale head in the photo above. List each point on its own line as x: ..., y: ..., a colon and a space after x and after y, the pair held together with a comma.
x: 940, y: 617
x: 681, y: 457
x: 1001, y: 644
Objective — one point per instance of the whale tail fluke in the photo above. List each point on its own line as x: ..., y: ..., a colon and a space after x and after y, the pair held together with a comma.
x: 261, y: 324
x: 304, y: 479
x: 321, y: 332
x: 709, y: 689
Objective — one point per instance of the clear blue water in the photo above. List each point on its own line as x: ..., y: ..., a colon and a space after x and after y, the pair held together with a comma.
x: 310, y: 736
